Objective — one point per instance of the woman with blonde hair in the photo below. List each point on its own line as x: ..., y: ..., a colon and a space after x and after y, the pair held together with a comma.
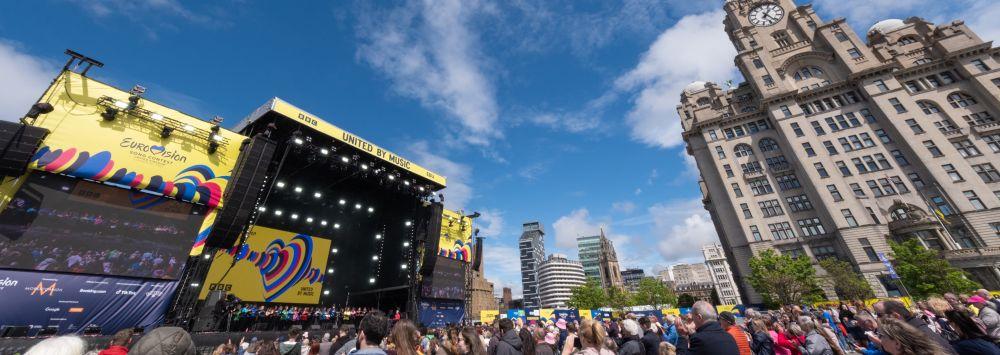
x: 592, y: 337
x: 899, y: 338
x: 405, y: 337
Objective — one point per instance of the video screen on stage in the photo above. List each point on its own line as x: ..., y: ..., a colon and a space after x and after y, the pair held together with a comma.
x: 447, y: 280
x: 58, y: 223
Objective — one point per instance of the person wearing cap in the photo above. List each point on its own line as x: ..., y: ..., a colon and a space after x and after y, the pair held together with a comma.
x: 989, y: 316
x: 728, y: 322
x: 561, y: 325
x: 165, y: 341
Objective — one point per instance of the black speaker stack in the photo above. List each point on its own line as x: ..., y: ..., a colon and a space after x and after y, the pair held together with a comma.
x: 18, y: 143
x: 245, y: 185
x: 430, y: 237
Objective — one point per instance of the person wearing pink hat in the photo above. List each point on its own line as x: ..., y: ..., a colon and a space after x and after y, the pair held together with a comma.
x: 989, y: 316
x: 563, y: 333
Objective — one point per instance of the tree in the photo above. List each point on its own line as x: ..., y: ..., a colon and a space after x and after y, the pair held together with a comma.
x: 848, y: 284
x: 653, y: 292
x: 619, y: 298
x: 685, y: 300
x: 924, y: 272
x: 783, y: 279
x: 587, y: 296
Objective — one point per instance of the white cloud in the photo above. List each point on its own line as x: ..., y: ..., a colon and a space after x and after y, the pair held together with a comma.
x: 574, y: 225
x: 490, y: 223
x: 682, y: 228
x: 503, y: 267
x: 695, y: 48
x: 625, y: 207
x: 459, y: 192
x: 532, y: 171
x: 430, y: 53
x: 980, y: 15
x: 28, y: 74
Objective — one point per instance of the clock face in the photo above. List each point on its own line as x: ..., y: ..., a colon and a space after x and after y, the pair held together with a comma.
x: 766, y: 15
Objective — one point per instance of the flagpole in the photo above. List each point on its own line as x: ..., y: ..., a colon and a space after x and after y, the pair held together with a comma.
x: 937, y: 216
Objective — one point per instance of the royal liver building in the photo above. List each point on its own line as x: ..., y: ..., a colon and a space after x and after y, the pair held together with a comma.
x: 836, y: 144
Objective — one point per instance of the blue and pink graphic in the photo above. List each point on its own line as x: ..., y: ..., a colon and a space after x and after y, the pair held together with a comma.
x: 281, y: 265
x: 459, y: 251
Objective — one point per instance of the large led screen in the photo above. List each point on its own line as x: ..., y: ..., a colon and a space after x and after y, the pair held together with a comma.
x: 58, y: 223
x: 447, y: 280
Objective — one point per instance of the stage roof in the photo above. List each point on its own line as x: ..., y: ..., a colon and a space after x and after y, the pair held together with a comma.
x: 304, y: 118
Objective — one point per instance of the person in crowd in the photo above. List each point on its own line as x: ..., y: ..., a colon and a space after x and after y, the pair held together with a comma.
x: 938, y: 307
x: 631, y: 343
x: 650, y: 338
x: 666, y: 348
x: 563, y: 332
x: 986, y: 295
x: 507, y: 342
x: 728, y: 322
x: 63, y: 345
x: 783, y: 344
x: 987, y: 314
x: 761, y: 342
x: 527, y: 341
x: 405, y: 338
x: 325, y: 344
x: 119, y: 343
x: 542, y: 347
x: 292, y: 346
x: 373, y: 328
x: 900, y: 338
x: 871, y: 343
x: 592, y: 339
x: 898, y: 310
x: 815, y: 343
x: 703, y: 334
x: 164, y: 341
x: 972, y: 339
x: 670, y: 330
x: 469, y: 343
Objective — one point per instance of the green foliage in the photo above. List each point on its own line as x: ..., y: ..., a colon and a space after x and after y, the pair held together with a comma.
x: 588, y: 296
x: 924, y: 272
x: 848, y: 284
x: 685, y: 300
x: 653, y: 292
x: 619, y: 298
x: 783, y: 279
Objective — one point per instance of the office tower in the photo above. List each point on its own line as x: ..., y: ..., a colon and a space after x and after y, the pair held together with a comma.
x: 557, y: 277
x: 532, y: 246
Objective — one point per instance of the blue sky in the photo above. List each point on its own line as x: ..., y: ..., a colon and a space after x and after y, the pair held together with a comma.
x: 560, y: 111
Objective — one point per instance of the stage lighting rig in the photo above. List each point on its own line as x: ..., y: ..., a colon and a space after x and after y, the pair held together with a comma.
x: 109, y: 114
x: 134, y: 96
x: 37, y: 109
x: 166, y: 132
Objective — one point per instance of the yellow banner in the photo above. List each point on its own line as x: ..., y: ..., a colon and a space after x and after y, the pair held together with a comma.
x: 586, y: 314
x: 273, y: 266
x: 487, y: 316
x: 674, y: 311
x: 456, y: 236
x: 288, y: 110
x: 129, y: 149
x: 727, y: 308
x: 546, y: 314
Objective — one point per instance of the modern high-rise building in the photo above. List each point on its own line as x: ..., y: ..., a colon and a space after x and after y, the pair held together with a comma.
x: 599, y: 259
x: 532, y: 246
x: 691, y: 274
x: 631, y: 278
x: 557, y: 277
x: 722, y: 275
x: 836, y: 144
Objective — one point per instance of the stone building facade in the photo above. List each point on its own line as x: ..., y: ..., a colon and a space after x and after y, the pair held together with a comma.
x: 722, y: 274
x: 836, y: 144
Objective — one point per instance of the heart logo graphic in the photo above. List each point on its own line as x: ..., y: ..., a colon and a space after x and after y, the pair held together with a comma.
x: 157, y: 149
x: 284, y: 265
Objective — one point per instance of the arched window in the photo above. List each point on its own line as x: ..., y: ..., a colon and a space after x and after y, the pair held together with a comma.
x: 743, y: 150
x: 929, y: 107
x: 807, y: 72
x: 746, y: 109
x: 767, y: 145
x: 704, y: 101
x: 907, y: 40
x: 958, y: 99
x: 781, y: 38
x: 899, y: 214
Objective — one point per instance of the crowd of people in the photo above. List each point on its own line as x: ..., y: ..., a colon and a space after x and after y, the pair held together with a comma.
x: 253, y: 316
x: 50, y: 255
x: 952, y: 324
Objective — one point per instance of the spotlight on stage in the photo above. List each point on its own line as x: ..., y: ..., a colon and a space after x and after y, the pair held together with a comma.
x: 40, y: 108
x: 136, y: 95
x: 109, y: 114
x: 166, y: 132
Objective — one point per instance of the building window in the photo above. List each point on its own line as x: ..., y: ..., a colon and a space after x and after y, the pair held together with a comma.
x: 996, y: 82
x: 952, y: 173
x: 721, y: 153
x: 729, y: 170
x: 830, y: 149
x: 849, y: 217
x: 768, y: 145
x: 713, y: 135
x: 811, y: 227
x: 843, y: 168
x: 946, y: 77
x: 799, y: 203
x: 995, y: 226
x: 835, y: 193
x: 751, y: 167
x: 931, y: 147
x: 981, y: 65
x: 781, y: 38
x: 900, y: 158
x: 987, y: 172
x: 897, y: 105
x: 858, y: 191
x: 781, y: 231
x: 914, y: 126
x: 746, y: 211
x: 974, y: 200
x: 993, y: 141
x: 882, y: 136
x: 900, y: 185
x: 913, y: 86
x: 966, y: 148
x: 928, y: 107
x: 786, y: 111
x: 755, y: 233
x: 818, y: 128
x: 932, y: 81
x: 809, y: 149
x: 824, y: 252
x: 958, y: 100
x: 915, y: 179
x: 797, y: 130
x: 807, y: 72
x: 806, y: 109
x: 907, y: 40
x: 770, y: 208
x: 736, y: 190
x: 787, y: 182
x: 874, y: 217
x: 854, y: 53
x: 880, y: 84
x: 778, y: 163
x: 869, y: 250
x: 882, y: 161
x: 941, y: 205
x: 767, y: 80
x: 742, y: 150
x: 979, y: 118
x: 760, y: 187
x: 840, y: 36
x: 821, y: 170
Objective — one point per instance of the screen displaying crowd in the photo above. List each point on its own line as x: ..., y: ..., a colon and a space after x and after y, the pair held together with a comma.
x: 57, y: 223
x: 447, y: 281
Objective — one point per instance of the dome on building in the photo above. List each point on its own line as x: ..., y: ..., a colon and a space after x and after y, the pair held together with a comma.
x: 886, y: 26
x: 695, y: 86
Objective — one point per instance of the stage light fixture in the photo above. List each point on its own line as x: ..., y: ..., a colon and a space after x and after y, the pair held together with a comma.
x: 277, y: 212
x: 309, y: 219
x: 280, y: 184
x: 357, y: 206
x: 326, y: 292
x: 194, y: 284
x: 378, y: 236
x: 364, y: 166
x: 324, y: 151
x: 336, y: 226
x: 345, y: 159
x: 295, y: 216
x: 189, y: 128
x: 40, y: 108
x: 370, y: 209
x: 216, y: 137
x: 406, y: 244
x: 408, y: 223
x: 208, y: 256
x: 156, y: 117
x: 323, y: 223
x: 317, y: 195
x: 298, y: 189
x: 374, y: 257
x: 392, y: 177
x: 329, y: 271
x: 342, y: 202
x: 406, y: 182
x: 121, y: 104
x: 166, y: 132
x: 109, y: 114
x: 213, y: 146
x: 262, y: 208
x: 421, y: 189
x: 333, y: 251
x: 298, y: 141
x: 371, y: 280
x: 403, y: 266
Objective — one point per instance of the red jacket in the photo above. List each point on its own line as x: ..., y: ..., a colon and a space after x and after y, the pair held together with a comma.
x: 114, y: 350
